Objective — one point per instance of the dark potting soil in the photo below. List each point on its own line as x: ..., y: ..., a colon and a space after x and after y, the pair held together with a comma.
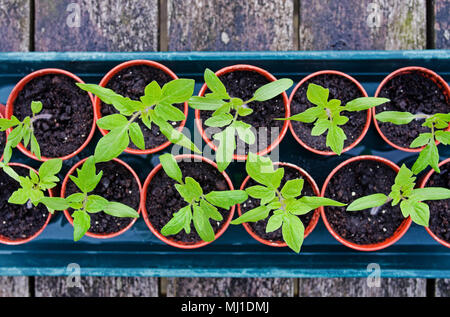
x: 356, y: 180
x: 259, y: 227
x: 163, y: 200
x: 340, y: 88
x: 243, y: 84
x: 18, y: 222
x: 117, y: 184
x: 440, y: 209
x: 70, y: 109
x: 2, y: 142
x: 413, y: 93
x: 131, y: 82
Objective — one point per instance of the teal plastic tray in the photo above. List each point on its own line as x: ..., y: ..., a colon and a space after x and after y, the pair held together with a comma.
x: 139, y: 253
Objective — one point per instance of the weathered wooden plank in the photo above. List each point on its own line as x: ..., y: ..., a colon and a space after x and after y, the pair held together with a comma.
x: 364, y: 24
x: 358, y: 287
x: 442, y: 288
x: 230, y: 287
x: 14, y: 286
x: 96, y: 25
x: 15, y: 25
x: 206, y: 25
x: 96, y: 287
x: 442, y: 24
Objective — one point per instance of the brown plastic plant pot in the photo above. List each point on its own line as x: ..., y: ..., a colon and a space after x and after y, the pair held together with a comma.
x: 368, y: 119
x: 97, y: 235
x: 8, y: 241
x: 422, y: 185
x: 438, y: 80
x: 312, y: 224
x: 401, y: 230
x: 15, y: 92
x: 168, y: 240
x: 111, y: 74
x: 270, y: 77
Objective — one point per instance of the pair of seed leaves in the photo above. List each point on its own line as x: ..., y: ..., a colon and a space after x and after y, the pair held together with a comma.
x: 228, y: 109
x: 410, y: 198
x: 155, y: 107
x: 22, y: 131
x: 437, y: 123
x: 200, y: 207
x: 327, y: 114
x: 283, y: 205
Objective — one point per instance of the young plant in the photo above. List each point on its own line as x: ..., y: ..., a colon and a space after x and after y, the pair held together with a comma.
x: 437, y: 123
x: 227, y: 111
x: 403, y: 192
x: 155, y: 107
x: 200, y: 206
x: 284, y: 205
x: 327, y: 114
x: 84, y: 204
x: 23, y: 131
x: 32, y: 188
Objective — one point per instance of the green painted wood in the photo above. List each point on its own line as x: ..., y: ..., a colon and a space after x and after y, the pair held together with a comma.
x: 230, y: 287
x: 15, y: 25
x: 442, y: 23
x: 14, y: 286
x: 96, y: 25
x: 230, y: 25
x: 362, y: 25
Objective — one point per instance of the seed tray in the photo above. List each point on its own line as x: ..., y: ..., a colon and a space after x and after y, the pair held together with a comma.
x: 235, y: 254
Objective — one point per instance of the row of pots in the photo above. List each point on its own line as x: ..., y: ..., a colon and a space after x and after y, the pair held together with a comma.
x: 320, y: 212
x: 287, y: 104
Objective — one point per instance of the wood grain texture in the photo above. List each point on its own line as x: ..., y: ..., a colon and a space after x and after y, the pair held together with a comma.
x: 230, y: 287
x: 227, y: 25
x: 442, y: 288
x: 357, y: 287
x: 97, y: 287
x: 15, y: 25
x: 364, y: 24
x: 96, y: 25
x: 14, y: 286
x: 442, y: 24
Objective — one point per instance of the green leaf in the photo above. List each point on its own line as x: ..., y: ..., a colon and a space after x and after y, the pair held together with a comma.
x: 116, y: 209
x: 55, y: 203
x: 36, y: 107
x: 88, y: 178
x: 136, y: 135
x: 274, y: 223
x: 215, y: 84
x: 168, y: 112
x: 428, y: 156
x: 15, y: 136
x: 181, y: 219
x: 81, y: 224
x: 317, y: 95
x: 35, y: 149
x: 443, y: 137
x: 152, y: 94
x: 395, y: 117
x: 49, y: 169
x: 245, y: 132
x: 202, y: 224
x: 364, y: 103
x: 272, y: 89
x: 243, y: 111
x: 210, y: 210
x: 6, y: 124
x: 316, y: 202
x: 225, y: 150
x: 297, y: 207
x: 366, y: 202
x: 205, y: 103
x: 96, y: 203
x: 253, y: 215
x: 261, y: 192
x: 177, y: 91
x: 309, y: 115
x: 292, y: 188
x: 335, y: 139
x: 10, y: 172
x: 293, y: 232
x: 171, y: 167
x: 175, y: 136
x: 227, y: 198
x: 112, y: 121
x: 421, y: 140
x: 112, y: 145
x: 320, y: 127
x: 220, y: 120
x: 194, y: 188
x: 19, y: 197
x: 420, y: 213
x: 261, y: 170
x: 430, y: 193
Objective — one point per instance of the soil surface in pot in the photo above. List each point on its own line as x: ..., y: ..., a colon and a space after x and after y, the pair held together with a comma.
x: 163, y: 200
x: 440, y: 209
x: 259, y: 227
x: 18, y: 222
x: 70, y: 109
x: 340, y: 88
x: 117, y: 184
x: 414, y: 93
x: 356, y: 180
x: 2, y: 142
x: 131, y: 82
x: 243, y: 84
